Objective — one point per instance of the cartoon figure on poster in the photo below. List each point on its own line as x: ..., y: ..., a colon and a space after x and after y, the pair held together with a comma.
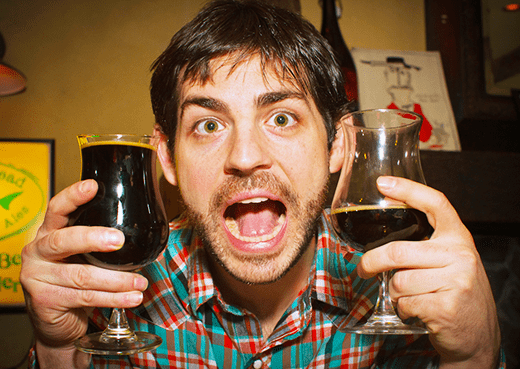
x: 398, y: 77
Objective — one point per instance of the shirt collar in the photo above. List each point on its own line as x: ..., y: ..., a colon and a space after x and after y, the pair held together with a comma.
x: 201, y: 287
x: 335, y: 264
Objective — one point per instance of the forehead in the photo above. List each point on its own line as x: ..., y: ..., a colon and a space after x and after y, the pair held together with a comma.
x: 235, y: 66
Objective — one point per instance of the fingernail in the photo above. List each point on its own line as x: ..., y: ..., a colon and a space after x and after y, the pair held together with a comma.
x: 115, y: 238
x: 85, y: 186
x: 140, y: 283
x: 386, y: 182
x: 135, y: 297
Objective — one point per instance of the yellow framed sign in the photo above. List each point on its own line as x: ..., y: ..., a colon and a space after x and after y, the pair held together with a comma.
x: 26, y: 186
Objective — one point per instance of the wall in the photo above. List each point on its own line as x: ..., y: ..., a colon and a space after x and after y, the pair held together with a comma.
x: 87, y: 61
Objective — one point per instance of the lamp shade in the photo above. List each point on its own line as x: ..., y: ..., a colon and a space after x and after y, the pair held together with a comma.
x: 11, y: 81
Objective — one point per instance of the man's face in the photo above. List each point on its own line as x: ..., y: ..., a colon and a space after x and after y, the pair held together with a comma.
x: 252, y: 163
x: 398, y: 76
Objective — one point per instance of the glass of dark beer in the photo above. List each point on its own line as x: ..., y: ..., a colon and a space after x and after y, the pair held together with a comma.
x: 382, y: 142
x: 128, y: 199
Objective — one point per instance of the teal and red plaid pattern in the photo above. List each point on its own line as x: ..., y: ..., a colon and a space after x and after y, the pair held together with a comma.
x: 200, y: 330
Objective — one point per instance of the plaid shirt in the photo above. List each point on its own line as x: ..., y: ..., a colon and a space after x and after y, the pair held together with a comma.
x: 200, y: 330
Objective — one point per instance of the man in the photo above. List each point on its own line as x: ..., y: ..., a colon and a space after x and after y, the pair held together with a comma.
x: 247, y: 100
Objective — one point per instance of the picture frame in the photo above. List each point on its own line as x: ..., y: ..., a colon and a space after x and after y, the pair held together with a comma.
x: 27, y: 180
x: 454, y: 28
x: 501, y: 59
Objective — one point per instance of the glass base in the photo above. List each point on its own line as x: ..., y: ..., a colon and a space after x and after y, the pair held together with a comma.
x: 100, y: 344
x: 385, y: 325
x: 384, y: 320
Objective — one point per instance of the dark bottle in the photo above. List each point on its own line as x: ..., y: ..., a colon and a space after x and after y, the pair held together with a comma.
x: 332, y: 33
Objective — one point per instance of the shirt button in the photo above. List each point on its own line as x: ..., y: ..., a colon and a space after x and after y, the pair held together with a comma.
x: 257, y: 364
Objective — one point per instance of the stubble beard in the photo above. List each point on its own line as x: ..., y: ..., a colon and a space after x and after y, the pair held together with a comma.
x: 266, y: 268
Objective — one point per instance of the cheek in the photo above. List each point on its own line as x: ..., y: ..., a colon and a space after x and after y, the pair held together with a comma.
x: 196, y: 179
x: 196, y: 191
x: 309, y: 168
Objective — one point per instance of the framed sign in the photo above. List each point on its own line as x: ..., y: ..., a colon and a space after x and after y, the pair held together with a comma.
x: 26, y: 186
x: 413, y: 81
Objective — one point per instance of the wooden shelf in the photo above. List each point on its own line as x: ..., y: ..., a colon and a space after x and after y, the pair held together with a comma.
x: 483, y: 186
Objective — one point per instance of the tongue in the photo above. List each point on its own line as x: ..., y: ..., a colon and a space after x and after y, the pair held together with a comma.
x: 255, y: 219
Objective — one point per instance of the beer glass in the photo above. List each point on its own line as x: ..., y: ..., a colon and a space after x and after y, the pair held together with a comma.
x: 381, y: 142
x: 128, y: 199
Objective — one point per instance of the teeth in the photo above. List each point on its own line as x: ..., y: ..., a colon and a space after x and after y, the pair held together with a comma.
x: 254, y: 200
x: 233, y: 228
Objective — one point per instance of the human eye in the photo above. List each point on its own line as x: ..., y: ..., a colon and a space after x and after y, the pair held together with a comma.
x: 208, y: 126
x: 282, y: 120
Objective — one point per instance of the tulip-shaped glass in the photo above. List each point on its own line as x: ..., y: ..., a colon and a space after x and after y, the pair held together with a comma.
x: 128, y: 199
x: 379, y: 143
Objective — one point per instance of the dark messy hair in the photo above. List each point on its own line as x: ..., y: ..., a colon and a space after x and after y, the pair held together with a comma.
x: 285, y: 42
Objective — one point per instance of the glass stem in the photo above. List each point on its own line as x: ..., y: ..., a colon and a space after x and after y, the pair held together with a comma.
x: 384, y: 306
x: 118, y: 327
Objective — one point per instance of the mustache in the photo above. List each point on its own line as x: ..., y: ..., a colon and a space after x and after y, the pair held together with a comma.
x: 261, y: 180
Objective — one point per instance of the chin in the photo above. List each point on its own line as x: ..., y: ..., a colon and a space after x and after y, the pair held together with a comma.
x: 268, y: 258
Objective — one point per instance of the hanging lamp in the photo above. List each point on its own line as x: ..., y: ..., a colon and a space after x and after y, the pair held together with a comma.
x: 11, y: 80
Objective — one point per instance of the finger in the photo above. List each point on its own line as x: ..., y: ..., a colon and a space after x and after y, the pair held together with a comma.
x: 438, y: 310
x: 455, y: 268
x: 89, y: 277
x: 435, y: 310
x: 404, y: 255
x: 109, y: 300
x: 68, y: 286
x: 68, y: 241
x: 64, y: 203
x: 409, y: 282
x: 64, y: 298
x: 433, y: 203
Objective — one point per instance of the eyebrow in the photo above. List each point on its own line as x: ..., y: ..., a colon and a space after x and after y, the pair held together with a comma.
x: 204, y: 102
x: 270, y: 98
x: 263, y: 100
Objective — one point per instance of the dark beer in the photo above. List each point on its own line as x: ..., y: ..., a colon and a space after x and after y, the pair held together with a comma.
x: 367, y: 227
x: 126, y: 200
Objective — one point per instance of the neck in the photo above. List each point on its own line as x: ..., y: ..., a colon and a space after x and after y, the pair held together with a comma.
x: 268, y: 302
x: 402, y: 98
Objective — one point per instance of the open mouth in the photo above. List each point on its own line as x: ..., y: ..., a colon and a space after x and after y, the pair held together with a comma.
x: 257, y: 219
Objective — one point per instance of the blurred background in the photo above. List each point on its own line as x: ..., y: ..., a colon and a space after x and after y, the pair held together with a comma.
x: 87, y: 62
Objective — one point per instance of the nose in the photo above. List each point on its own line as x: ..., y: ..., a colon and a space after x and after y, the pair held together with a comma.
x: 248, y: 152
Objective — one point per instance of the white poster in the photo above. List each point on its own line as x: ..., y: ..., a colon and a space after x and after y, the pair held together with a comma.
x: 412, y: 81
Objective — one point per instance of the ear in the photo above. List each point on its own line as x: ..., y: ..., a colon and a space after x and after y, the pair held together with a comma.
x: 337, y: 152
x: 165, y: 157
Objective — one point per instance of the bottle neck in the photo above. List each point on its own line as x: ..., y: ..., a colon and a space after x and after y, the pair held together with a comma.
x: 330, y: 26
x: 332, y: 33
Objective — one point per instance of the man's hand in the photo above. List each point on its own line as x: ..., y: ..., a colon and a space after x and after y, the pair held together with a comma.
x: 57, y: 290
x: 441, y: 280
